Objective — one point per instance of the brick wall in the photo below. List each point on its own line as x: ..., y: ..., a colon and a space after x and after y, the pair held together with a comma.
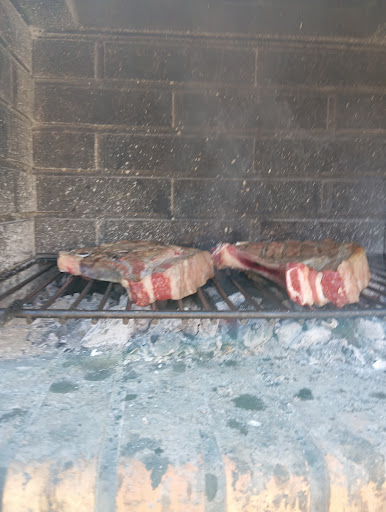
x: 196, y: 140
x: 17, y: 183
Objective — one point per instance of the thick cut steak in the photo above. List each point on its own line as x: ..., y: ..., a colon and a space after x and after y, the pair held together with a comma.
x: 312, y: 272
x: 149, y: 271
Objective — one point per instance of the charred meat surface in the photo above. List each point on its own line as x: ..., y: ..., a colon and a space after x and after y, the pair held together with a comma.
x: 149, y: 271
x: 312, y: 272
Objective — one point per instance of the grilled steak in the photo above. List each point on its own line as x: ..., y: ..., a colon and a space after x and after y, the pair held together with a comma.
x: 312, y: 272
x: 148, y: 270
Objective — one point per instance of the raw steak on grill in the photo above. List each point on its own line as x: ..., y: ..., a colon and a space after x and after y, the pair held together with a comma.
x: 148, y: 270
x: 312, y: 272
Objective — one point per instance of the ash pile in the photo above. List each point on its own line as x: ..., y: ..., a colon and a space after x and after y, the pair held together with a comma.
x: 358, y: 342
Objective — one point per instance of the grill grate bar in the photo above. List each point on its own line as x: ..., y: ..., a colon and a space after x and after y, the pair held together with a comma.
x: 104, y: 300
x: 220, y: 290
x: 180, y: 305
x: 26, y: 281
x: 264, y: 291
x: 203, y: 299
x: 128, y: 308
x: 41, y: 287
x: 18, y: 268
x: 61, y: 290
x: 244, y: 292
x: 82, y: 295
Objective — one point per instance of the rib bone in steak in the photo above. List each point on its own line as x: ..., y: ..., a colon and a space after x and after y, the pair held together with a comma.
x: 312, y: 272
x: 149, y: 271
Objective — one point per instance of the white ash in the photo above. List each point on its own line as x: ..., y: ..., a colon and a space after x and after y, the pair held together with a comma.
x: 358, y: 342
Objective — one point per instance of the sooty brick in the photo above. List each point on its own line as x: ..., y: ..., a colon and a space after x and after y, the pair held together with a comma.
x: 66, y: 104
x: 61, y: 58
x: 313, y: 157
x: 104, y: 196
x: 16, y: 241
x: 216, y: 199
x: 54, y: 234
x: 7, y: 191
x: 290, y: 198
x: 321, y: 67
x: 199, y: 233
x: 235, y: 110
x: 361, y: 111
x: 179, y: 63
x: 59, y: 149
x: 370, y: 234
x: 357, y: 199
x: 177, y: 155
x: 15, y: 32
x: 5, y: 76
x: 15, y: 140
x: 23, y: 90
x: 26, y: 192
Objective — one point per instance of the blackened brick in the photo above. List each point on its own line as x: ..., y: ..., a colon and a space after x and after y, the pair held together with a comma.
x: 312, y: 157
x: 63, y: 58
x: 4, y: 131
x: 60, y: 150
x: 216, y: 199
x: 290, y: 198
x: 5, y: 76
x: 357, y: 199
x: 361, y: 111
x: 370, y: 234
x: 16, y: 242
x: 23, y: 90
x: 179, y: 63
x: 237, y: 16
x: 104, y: 196
x: 7, y: 191
x: 292, y: 157
x: 26, y: 192
x: 15, y: 140
x: 65, y: 104
x: 53, y: 235
x: 177, y: 155
x: 15, y: 32
x: 234, y: 110
x: 203, y: 233
x: 321, y: 67
x: 19, y: 141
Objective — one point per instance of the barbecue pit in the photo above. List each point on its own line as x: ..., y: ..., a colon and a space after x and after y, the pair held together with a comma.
x: 192, y: 124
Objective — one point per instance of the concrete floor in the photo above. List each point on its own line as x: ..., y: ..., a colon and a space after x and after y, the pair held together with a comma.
x: 226, y: 430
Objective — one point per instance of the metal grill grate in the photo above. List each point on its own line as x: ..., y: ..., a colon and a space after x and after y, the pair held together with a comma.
x: 261, y: 298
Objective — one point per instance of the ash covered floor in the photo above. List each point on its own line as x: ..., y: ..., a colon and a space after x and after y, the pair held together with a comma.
x: 265, y: 416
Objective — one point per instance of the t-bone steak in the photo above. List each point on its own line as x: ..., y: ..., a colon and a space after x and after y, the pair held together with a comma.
x: 149, y: 271
x: 312, y: 272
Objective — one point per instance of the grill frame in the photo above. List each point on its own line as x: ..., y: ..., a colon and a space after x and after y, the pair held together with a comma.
x: 372, y: 300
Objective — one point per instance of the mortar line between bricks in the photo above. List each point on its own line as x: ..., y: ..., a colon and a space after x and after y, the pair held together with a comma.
x: 99, y: 60
x: 173, y: 108
x: 259, y: 178
x: 96, y: 152
x: 205, y: 87
x: 172, y: 197
x: 107, y: 465
x: 13, y: 446
x: 320, y: 489
x: 6, y: 47
x: 11, y: 108
x: 256, y: 64
x: 221, y: 38
x: 331, y: 113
